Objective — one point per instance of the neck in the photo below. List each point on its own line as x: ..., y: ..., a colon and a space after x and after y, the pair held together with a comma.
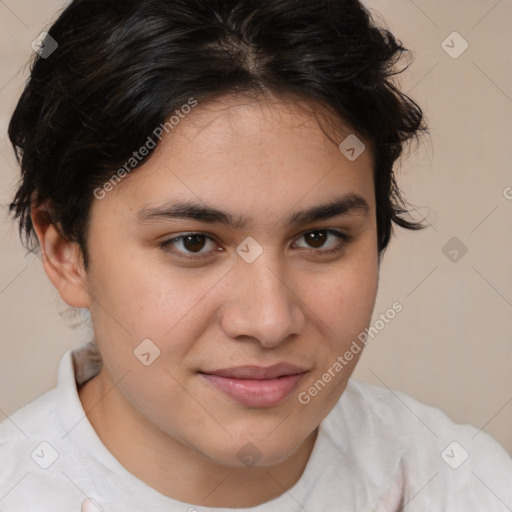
x: 176, y: 470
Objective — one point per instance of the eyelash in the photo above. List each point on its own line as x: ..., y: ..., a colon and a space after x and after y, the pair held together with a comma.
x: 344, y: 240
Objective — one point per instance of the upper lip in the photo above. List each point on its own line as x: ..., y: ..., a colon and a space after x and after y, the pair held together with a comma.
x: 258, y: 372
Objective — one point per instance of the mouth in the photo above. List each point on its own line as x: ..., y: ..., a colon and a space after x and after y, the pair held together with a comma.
x: 256, y: 386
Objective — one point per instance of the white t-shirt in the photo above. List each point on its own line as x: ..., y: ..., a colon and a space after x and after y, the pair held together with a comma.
x: 376, y: 451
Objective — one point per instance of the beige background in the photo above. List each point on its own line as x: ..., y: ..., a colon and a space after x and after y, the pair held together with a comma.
x: 451, y: 346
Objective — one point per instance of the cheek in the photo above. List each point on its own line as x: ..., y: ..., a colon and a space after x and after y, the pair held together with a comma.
x: 136, y: 298
x: 346, y: 297
x: 357, y: 295
x: 344, y: 305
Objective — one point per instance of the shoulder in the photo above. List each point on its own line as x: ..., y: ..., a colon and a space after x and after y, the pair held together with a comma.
x: 445, y: 464
x: 20, y: 431
x: 33, y: 452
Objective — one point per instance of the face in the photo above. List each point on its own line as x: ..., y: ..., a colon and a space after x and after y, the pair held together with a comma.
x: 217, y: 253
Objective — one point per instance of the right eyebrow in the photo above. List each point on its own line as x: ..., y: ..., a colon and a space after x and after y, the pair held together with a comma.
x: 191, y: 210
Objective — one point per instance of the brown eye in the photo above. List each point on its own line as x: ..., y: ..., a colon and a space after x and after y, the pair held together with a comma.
x: 194, y: 243
x: 190, y: 245
x: 324, y: 241
x: 316, y: 239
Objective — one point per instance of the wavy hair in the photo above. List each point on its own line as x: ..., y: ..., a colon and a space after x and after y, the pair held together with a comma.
x: 123, y: 67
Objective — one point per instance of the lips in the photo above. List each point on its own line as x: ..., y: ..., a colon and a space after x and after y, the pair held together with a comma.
x: 258, y: 372
x: 256, y: 386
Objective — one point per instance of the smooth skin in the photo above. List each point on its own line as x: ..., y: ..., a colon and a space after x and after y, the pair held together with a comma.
x: 206, y: 308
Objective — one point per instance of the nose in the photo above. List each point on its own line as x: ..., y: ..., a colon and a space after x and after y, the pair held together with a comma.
x: 262, y: 304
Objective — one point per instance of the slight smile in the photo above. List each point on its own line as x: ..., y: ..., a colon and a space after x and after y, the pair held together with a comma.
x: 256, y: 386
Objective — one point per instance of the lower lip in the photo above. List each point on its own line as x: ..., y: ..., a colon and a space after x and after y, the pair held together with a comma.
x: 256, y: 393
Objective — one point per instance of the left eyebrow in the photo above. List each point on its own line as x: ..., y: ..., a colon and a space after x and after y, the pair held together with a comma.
x: 344, y: 205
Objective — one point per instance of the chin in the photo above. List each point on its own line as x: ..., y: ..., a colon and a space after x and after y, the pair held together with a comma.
x: 253, y: 451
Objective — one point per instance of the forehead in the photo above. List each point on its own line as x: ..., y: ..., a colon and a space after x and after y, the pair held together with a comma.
x: 257, y: 121
x: 251, y: 155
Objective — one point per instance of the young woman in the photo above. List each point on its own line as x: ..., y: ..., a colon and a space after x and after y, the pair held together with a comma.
x: 213, y: 181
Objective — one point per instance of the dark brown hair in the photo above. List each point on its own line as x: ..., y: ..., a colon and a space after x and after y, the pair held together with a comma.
x: 122, y: 68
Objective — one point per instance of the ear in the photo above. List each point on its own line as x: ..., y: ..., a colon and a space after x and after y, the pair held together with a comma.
x: 62, y: 259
